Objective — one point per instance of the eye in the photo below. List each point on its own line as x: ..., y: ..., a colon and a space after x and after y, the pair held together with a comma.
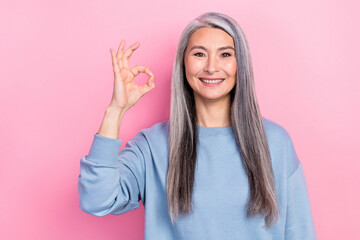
x: 197, y: 54
x: 228, y: 54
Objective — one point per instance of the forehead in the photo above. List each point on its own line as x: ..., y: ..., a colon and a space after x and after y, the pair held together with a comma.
x: 211, y: 37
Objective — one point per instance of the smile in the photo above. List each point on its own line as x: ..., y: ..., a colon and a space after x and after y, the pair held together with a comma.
x: 211, y: 82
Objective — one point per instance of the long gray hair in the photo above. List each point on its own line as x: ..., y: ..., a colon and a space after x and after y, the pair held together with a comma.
x: 246, y: 122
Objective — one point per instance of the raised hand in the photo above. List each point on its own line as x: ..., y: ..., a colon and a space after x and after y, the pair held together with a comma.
x: 126, y: 93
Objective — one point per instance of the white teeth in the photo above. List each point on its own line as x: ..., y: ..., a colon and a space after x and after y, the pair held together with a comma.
x: 211, y: 81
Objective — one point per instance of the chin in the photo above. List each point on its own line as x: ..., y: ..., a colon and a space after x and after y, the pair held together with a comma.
x: 213, y: 97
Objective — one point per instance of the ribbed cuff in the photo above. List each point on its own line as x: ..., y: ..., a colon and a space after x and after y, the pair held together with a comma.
x: 104, y: 149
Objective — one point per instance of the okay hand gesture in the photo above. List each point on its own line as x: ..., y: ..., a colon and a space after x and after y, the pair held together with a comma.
x: 126, y: 93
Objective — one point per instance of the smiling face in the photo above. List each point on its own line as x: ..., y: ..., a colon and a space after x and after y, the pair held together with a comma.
x: 210, y: 64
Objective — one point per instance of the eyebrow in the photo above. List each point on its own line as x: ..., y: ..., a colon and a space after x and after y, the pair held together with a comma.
x: 219, y: 49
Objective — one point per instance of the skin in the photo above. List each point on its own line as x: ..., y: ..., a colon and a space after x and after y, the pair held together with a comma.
x: 126, y: 92
x: 212, y: 103
x: 209, y: 61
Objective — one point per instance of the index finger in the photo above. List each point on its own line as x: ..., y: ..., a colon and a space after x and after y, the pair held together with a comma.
x: 138, y: 69
x: 141, y: 69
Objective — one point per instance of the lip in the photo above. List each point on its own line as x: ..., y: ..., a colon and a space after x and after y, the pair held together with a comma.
x: 211, y: 78
x: 212, y: 84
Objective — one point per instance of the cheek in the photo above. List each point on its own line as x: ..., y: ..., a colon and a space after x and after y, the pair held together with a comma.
x: 192, y: 66
x: 231, y: 68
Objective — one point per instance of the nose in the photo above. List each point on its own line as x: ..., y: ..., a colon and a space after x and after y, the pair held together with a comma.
x: 211, y: 65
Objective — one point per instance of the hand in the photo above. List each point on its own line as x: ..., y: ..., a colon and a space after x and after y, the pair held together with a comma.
x: 126, y: 93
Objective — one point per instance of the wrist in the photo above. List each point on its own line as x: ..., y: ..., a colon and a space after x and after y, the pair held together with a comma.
x: 111, y: 122
x: 114, y: 111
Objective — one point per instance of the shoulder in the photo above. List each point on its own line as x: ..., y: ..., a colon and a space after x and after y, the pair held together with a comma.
x: 281, y: 146
x: 157, y: 129
x: 155, y: 135
x: 152, y: 142
x: 275, y: 132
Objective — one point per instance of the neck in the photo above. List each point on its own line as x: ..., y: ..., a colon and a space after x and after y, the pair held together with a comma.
x: 211, y: 113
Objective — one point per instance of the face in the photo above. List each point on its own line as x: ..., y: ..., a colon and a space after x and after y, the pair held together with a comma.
x: 210, y: 64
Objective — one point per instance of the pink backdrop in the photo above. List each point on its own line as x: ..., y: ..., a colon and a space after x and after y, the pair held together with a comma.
x: 56, y: 81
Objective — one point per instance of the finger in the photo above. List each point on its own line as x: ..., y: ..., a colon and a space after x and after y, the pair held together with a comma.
x: 149, y: 85
x: 139, y: 69
x: 120, y: 52
x: 121, y: 48
x: 150, y: 81
x: 114, y: 62
x: 142, y: 69
x: 145, y: 88
x: 128, y: 53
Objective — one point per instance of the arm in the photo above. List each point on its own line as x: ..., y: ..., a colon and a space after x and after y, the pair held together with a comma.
x: 299, y: 219
x: 109, y: 181
x: 112, y: 182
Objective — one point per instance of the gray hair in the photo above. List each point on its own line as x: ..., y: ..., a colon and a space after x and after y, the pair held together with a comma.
x: 246, y: 122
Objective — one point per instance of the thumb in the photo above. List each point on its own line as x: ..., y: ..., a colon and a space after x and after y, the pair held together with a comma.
x: 145, y: 88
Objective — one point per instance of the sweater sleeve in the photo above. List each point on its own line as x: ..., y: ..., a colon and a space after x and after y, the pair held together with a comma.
x: 109, y: 181
x: 299, y: 220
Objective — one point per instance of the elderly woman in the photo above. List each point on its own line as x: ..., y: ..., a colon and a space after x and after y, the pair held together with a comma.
x: 216, y: 169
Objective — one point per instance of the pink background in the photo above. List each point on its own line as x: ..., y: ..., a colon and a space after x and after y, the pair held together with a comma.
x: 56, y: 81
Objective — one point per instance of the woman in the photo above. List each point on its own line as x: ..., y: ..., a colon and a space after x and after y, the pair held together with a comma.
x: 216, y: 169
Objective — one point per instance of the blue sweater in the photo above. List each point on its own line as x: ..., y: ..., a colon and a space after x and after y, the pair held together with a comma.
x: 113, y: 182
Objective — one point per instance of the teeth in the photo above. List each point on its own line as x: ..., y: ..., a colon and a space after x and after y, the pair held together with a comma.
x: 211, y: 81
